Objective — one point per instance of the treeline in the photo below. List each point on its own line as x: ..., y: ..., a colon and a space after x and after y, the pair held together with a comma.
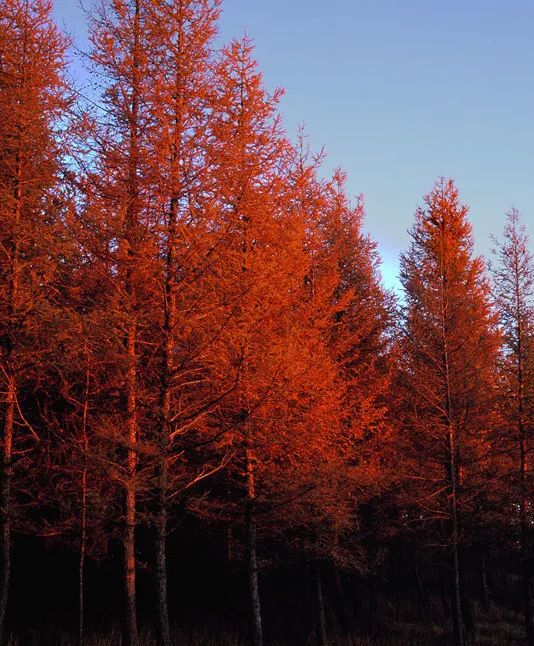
x: 193, y: 325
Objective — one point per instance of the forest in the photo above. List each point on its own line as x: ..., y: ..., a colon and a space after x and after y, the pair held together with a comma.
x: 216, y: 424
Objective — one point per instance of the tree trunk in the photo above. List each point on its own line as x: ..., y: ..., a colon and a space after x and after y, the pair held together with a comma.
x: 131, y: 224
x: 165, y: 425
x: 83, y: 520
x: 523, y: 493
x: 372, y: 619
x: 129, y: 567
x: 256, y: 631
x: 162, y: 511
x: 343, y: 612
x: 418, y: 582
x: 319, y: 600
x: 161, y: 564
x: 445, y: 592
x: 484, y: 582
x: 5, y: 505
x: 524, y: 549
x: 457, y: 610
x: 467, y: 608
x: 132, y: 638
x: 81, y: 571
x: 457, y: 596
x: 456, y: 588
x: 9, y: 419
x: 451, y: 465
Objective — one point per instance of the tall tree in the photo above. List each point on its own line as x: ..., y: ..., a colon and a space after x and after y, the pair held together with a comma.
x: 449, y: 360
x: 513, y: 276
x: 32, y: 103
x: 357, y: 313
x: 249, y: 147
x: 360, y: 342
x: 180, y: 33
x: 271, y: 337
x: 119, y: 204
x: 76, y: 462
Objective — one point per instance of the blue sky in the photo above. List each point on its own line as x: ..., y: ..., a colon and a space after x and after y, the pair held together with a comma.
x: 400, y: 92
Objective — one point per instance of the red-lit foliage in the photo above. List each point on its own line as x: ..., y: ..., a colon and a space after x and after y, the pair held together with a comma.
x: 448, y: 366
x: 32, y: 101
x: 513, y: 276
x: 194, y: 333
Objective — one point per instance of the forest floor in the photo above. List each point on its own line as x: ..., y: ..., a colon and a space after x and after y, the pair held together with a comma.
x: 496, y: 627
x: 400, y: 624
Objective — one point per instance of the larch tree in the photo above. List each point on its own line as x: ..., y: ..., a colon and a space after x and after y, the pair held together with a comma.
x: 119, y: 206
x: 249, y: 148
x: 76, y: 461
x: 449, y: 357
x: 360, y: 343
x: 357, y: 314
x: 180, y: 33
x: 33, y: 101
x: 271, y: 418
x: 513, y: 279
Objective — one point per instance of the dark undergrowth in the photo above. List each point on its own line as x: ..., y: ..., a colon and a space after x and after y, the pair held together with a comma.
x: 208, y: 603
x: 402, y: 623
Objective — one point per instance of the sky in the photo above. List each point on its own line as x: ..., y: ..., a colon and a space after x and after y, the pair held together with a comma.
x: 399, y: 93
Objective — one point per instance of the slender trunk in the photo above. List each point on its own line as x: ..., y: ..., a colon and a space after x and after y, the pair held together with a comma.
x: 255, y: 606
x: 484, y: 582
x: 458, y: 613
x: 256, y: 631
x: 467, y: 608
x: 131, y: 498
x: 129, y: 566
x: 7, y: 439
x: 319, y: 600
x: 523, y: 493
x: 5, y: 504
x: 11, y: 398
x: 162, y: 512
x: 445, y: 593
x: 161, y: 555
x: 132, y: 222
x: 342, y: 602
x: 165, y: 423
x: 418, y: 582
x: 81, y: 568
x: 229, y: 544
x: 229, y: 576
x: 372, y: 619
x: 451, y: 465
x: 161, y: 573
x: 457, y: 606
x: 524, y: 549
x: 83, y: 520
x: 162, y: 468
x: 169, y: 351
